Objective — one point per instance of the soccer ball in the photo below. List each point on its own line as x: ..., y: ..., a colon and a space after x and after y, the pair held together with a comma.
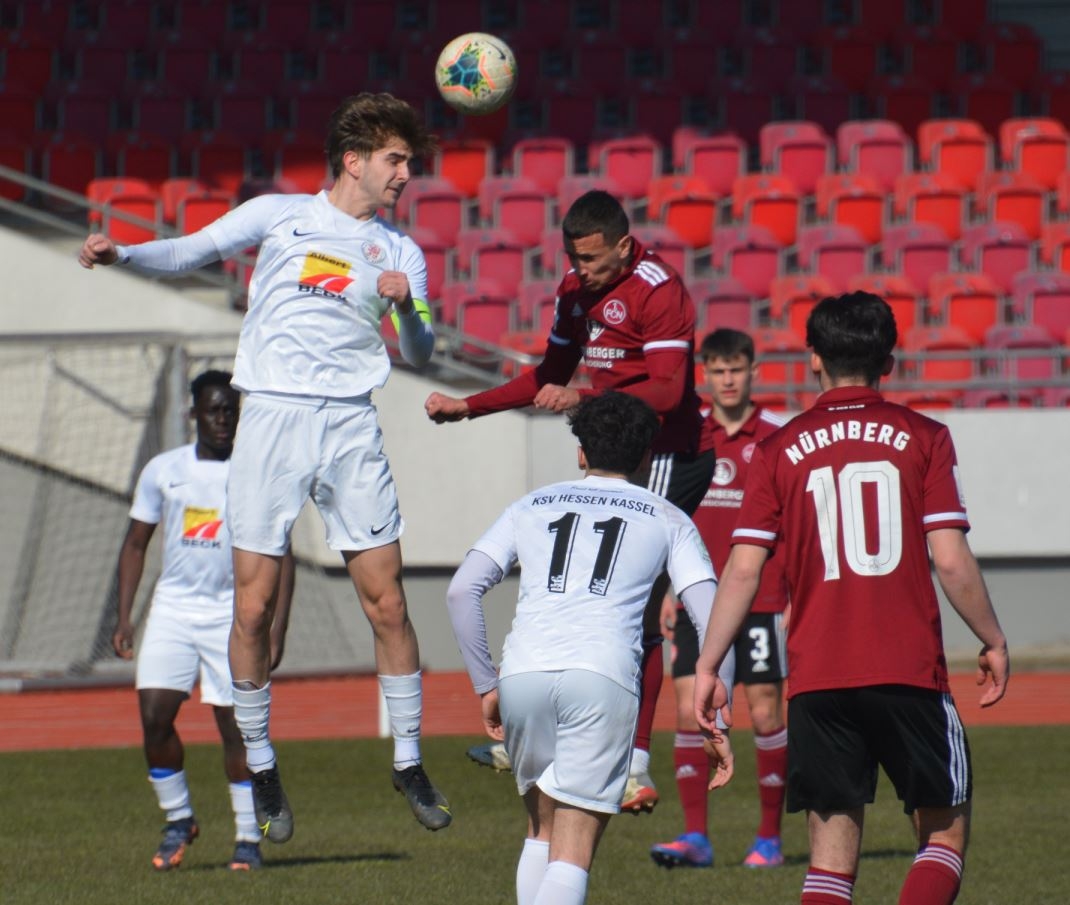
x: 476, y: 73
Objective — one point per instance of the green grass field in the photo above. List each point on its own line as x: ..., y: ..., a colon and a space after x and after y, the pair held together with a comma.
x: 80, y: 827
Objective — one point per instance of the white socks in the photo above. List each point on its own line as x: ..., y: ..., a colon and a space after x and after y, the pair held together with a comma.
x: 172, y: 792
x: 404, y: 704
x: 563, y: 884
x: 241, y: 800
x: 252, y: 707
x: 640, y: 765
x: 530, y: 870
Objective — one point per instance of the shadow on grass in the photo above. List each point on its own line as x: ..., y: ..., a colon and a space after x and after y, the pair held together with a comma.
x: 273, y: 863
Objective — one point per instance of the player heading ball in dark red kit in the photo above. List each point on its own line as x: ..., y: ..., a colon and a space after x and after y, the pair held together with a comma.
x: 628, y: 317
x: 855, y: 493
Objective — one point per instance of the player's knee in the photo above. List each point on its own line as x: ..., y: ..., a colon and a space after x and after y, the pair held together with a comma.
x: 386, y: 611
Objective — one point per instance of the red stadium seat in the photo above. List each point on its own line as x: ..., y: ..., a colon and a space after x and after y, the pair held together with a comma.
x: 987, y: 97
x: 939, y: 355
x: 142, y: 155
x: 217, y: 159
x: 959, y: 148
x: 524, y: 342
x: 122, y: 199
x: 799, y: 150
x: 465, y: 162
x: 792, y: 298
x: 849, y: 53
x: 852, y: 200
x: 834, y: 252
x: 538, y: 299
x: 69, y: 161
x: 493, y: 254
x: 915, y: 251
x: 661, y: 187
x: 876, y: 148
x: 444, y: 211
x: 968, y: 301
x: 770, y: 201
x: 1013, y: 197
x: 298, y: 161
x: 196, y: 210
x: 931, y: 198
x: 630, y: 163
x: 722, y: 302
x: 904, y: 99
x: 525, y: 212
x: 161, y: 109
x: 1037, y: 146
x: 1055, y: 245
x: 545, y: 161
x: 821, y: 100
x: 783, y: 364
x: 898, y: 292
x: 482, y: 311
x: 716, y: 159
x: 930, y: 52
x: 491, y: 188
x: 1000, y: 250
x: 551, y: 258
x: 750, y: 254
x: 691, y: 217
x: 1043, y: 299
x: 1012, y: 397
x: 1013, y: 345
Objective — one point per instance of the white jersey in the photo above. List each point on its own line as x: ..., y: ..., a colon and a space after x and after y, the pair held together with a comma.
x: 313, y: 325
x: 586, y: 574
x: 188, y: 496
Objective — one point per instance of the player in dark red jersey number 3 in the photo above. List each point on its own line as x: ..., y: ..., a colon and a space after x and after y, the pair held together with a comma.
x: 628, y: 316
x: 855, y: 493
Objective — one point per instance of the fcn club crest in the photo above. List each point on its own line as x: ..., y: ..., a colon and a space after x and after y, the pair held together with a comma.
x: 614, y: 311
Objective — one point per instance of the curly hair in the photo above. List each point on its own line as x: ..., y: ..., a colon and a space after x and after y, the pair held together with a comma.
x: 615, y: 431
x: 366, y: 122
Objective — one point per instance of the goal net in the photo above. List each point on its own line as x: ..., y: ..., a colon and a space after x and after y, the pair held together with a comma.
x: 81, y: 417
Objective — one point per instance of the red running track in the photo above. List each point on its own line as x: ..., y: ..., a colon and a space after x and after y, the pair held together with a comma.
x: 347, y: 707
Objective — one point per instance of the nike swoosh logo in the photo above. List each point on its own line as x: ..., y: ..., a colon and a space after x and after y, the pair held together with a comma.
x: 297, y: 232
x: 376, y: 531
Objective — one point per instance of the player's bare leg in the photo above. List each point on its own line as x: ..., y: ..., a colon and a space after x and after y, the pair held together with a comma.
x: 256, y: 576
x: 376, y: 575
x: 573, y: 841
x: 640, y: 794
x: 835, y: 841
x: 164, y: 755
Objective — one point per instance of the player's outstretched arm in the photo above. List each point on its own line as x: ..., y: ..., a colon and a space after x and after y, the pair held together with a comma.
x: 97, y: 249
x: 960, y: 577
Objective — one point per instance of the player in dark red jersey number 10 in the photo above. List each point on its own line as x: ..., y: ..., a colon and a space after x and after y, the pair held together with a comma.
x: 854, y: 494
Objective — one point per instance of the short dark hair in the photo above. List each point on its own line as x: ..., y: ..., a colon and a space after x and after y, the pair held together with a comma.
x: 209, y: 379
x: 853, y: 333
x: 596, y: 212
x: 366, y: 122
x: 615, y: 430
x: 726, y: 343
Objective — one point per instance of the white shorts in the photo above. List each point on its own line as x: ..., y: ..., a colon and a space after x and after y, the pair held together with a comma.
x: 290, y: 448
x: 571, y: 733
x: 179, y: 646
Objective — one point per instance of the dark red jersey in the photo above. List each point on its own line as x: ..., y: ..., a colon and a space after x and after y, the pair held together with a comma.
x: 847, y: 492
x: 718, y: 512
x: 637, y: 336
